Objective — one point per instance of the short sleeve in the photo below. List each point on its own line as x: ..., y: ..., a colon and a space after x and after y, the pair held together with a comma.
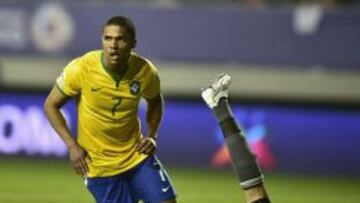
x: 151, y: 83
x: 70, y: 80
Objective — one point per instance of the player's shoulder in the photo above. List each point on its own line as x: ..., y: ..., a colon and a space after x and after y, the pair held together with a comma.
x: 90, y: 58
x: 142, y: 63
x: 85, y: 61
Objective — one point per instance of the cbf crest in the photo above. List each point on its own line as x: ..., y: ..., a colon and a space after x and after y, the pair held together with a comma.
x: 134, y: 87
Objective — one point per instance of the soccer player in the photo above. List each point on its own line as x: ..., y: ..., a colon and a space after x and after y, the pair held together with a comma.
x: 244, y: 163
x: 110, y: 151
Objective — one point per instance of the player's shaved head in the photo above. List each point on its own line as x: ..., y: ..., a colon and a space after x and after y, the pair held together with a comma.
x: 123, y: 21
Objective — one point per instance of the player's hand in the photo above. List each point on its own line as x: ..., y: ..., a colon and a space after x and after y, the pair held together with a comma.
x: 78, y: 158
x: 146, y: 145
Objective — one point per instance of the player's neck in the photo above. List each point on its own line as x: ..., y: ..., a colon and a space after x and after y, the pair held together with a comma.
x: 118, y: 69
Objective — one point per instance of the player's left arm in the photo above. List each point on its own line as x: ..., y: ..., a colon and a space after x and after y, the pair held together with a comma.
x: 155, y: 105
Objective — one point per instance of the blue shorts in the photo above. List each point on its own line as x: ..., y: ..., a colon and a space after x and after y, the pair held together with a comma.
x: 148, y: 182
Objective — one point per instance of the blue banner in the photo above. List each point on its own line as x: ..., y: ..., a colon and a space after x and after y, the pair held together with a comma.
x: 284, y: 138
x: 302, y: 37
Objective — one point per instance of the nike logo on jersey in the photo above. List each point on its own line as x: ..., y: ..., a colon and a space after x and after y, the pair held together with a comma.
x: 94, y: 89
x: 165, y: 189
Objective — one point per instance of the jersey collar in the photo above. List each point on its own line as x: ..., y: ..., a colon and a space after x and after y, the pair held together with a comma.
x: 117, y: 76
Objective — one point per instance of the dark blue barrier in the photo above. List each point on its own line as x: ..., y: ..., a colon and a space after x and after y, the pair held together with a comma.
x: 291, y: 139
x: 265, y: 36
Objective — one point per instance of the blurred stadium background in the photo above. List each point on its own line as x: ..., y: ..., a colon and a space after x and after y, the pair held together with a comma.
x: 296, y: 91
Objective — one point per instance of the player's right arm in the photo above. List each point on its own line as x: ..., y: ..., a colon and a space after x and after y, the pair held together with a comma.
x: 55, y: 100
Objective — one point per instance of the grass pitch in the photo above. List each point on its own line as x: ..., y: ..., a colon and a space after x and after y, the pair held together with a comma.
x: 53, y: 181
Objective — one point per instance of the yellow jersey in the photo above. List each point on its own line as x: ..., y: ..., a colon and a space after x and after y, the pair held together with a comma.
x: 108, y: 122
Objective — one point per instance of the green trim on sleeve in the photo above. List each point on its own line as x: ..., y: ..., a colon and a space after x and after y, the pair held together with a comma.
x: 62, y: 91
